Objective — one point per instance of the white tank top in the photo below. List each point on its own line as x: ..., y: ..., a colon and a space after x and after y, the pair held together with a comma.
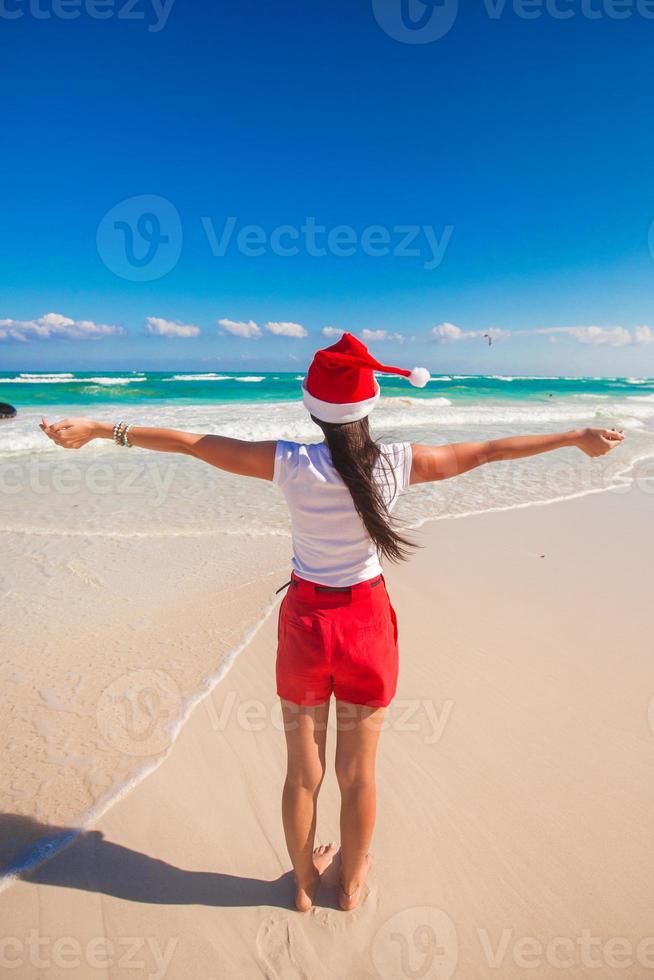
x: 330, y: 543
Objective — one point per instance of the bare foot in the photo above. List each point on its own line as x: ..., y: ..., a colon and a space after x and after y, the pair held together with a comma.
x: 350, y: 900
x: 322, y: 858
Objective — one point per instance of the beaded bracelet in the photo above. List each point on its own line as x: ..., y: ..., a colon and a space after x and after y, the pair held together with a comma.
x: 120, y: 434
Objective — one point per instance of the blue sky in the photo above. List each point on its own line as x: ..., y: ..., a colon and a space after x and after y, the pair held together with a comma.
x: 495, y: 179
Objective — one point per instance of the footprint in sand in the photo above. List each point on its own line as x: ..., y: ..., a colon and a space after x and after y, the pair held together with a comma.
x: 285, y: 951
x: 303, y: 946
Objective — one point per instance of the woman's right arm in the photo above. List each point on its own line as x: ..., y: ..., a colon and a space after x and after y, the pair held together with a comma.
x: 442, y: 462
x: 240, y: 456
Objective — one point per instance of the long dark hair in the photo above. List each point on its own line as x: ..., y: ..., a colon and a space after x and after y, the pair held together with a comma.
x: 354, y: 454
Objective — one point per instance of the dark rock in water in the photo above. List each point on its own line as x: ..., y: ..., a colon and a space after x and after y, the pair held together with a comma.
x: 7, y: 411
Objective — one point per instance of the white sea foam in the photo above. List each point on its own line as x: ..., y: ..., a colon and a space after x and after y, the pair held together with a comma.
x: 437, y: 417
x: 519, y: 377
x: 54, y: 379
x: 45, y: 374
x: 200, y: 377
x: 111, y: 381
x: 251, y: 378
x: 45, y: 379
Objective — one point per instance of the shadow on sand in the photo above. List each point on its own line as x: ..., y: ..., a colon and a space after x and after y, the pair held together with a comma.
x: 85, y: 860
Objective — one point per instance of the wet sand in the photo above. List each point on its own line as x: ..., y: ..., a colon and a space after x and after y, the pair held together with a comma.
x: 514, y: 782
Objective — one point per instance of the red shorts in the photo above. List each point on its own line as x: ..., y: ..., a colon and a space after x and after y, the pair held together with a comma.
x: 340, y: 641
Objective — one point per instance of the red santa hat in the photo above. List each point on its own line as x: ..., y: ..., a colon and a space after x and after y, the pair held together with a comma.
x: 340, y: 385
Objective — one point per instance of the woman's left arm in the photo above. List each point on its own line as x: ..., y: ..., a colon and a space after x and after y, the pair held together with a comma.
x: 430, y: 463
x: 233, y: 455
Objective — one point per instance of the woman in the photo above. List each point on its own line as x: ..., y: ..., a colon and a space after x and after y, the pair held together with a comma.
x: 337, y: 629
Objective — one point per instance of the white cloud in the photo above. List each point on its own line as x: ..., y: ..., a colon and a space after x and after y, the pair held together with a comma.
x: 286, y: 329
x: 447, y: 332
x: 644, y: 335
x: 381, y: 335
x: 159, y: 327
x: 606, y: 336
x: 55, y: 325
x: 599, y: 336
x: 332, y: 332
x: 241, y: 329
x: 613, y: 336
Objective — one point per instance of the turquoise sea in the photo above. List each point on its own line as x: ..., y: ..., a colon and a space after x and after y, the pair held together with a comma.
x: 100, y: 545
x: 99, y: 388
x: 267, y: 405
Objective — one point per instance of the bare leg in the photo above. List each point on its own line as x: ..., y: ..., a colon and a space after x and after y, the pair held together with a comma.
x: 306, y: 735
x: 356, y: 749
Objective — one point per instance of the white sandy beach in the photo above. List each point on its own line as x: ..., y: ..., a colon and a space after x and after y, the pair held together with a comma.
x: 514, y: 783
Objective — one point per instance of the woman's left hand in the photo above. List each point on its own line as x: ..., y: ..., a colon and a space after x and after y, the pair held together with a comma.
x: 69, y: 433
x: 598, y: 442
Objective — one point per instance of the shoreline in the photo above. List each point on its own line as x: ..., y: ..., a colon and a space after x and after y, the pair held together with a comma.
x: 621, y: 478
x: 193, y: 699
x: 523, y: 694
x: 29, y: 862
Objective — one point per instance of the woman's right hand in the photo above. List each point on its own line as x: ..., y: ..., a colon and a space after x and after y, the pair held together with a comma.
x: 598, y: 442
x: 70, y: 433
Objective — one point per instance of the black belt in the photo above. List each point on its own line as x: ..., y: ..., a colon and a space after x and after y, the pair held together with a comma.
x: 327, y: 588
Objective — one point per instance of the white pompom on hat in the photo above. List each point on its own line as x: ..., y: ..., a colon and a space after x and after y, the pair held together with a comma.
x: 340, y: 385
